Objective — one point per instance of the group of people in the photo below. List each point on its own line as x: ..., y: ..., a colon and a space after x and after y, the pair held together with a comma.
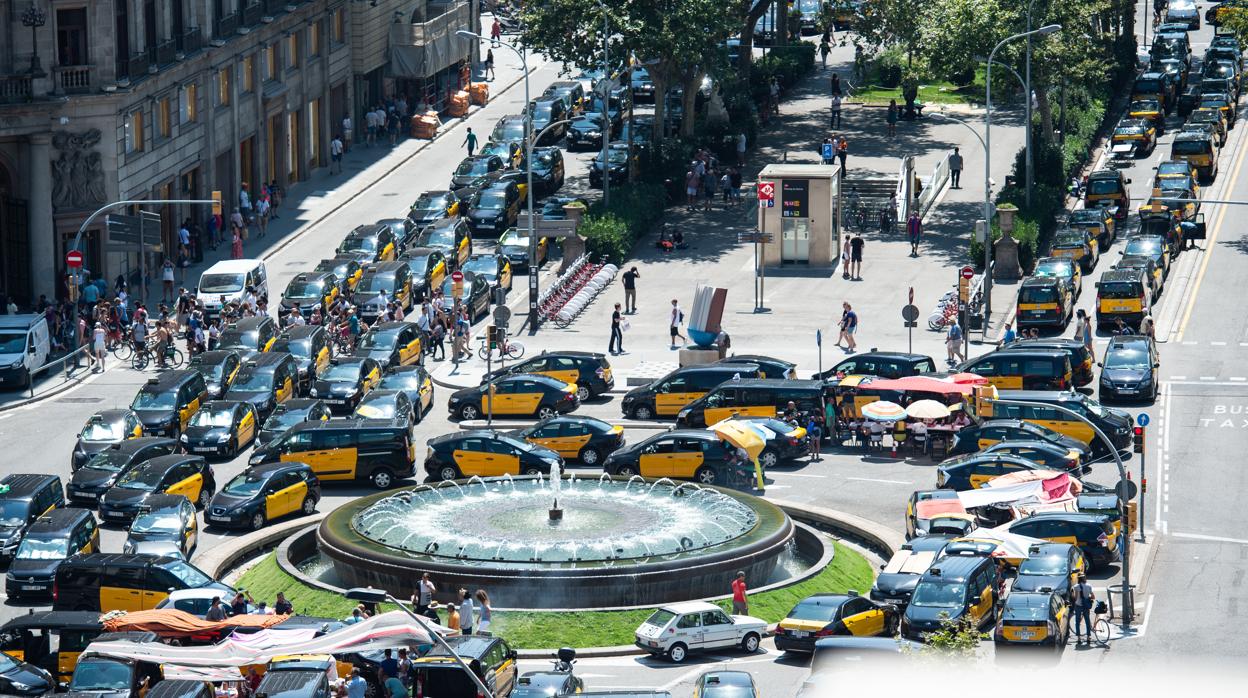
x: 706, y: 176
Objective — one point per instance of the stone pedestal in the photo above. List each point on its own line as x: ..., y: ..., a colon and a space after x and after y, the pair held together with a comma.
x: 1005, y: 255
x: 698, y: 357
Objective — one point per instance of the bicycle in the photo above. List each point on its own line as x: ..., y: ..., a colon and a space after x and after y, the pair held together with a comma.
x: 511, y: 349
x: 1100, y: 623
x: 173, y: 357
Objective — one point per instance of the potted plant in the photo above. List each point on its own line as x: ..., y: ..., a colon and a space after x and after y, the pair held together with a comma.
x: 909, y: 92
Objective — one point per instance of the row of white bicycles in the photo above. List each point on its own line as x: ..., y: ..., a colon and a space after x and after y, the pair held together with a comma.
x: 574, y: 290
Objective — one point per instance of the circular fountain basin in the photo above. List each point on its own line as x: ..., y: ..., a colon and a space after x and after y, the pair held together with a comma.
x: 618, y: 542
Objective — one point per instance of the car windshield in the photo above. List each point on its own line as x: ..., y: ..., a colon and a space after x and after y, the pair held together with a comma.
x: 1103, y: 186
x: 283, y: 419
x: 1053, y: 268
x: 476, y: 166
x: 426, y: 204
x: 810, y: 610
x: 100, y: 675
x: 1204, y: 116
x: 1118, y: 290
x: 12, y: 342
x: 1048, y: 565
x: 660, y: 618
x: 1147, y: 86
x: 249, y: 339
x: 511, y: 130
x: 7, y: 663
x: 379, y: 408
x: 166, y: 400
x: 1190, y: 147
x: 358, y: 244
x: 190, y: 576
x: 938, y: 595
x: 489, y: 199
x: 305, y: 289
x: 408, y: 380
x: 482, y: 265
x: 157, y: 522
x: 253, y: 381
x: 1021, y: 607
x: 438, y: 237
x: 345, y: 372
x: 212, y: 372
x: 514, y: 240
x: 375, y: 283
x: 1068, y: 240
x: 616, y: 156
x: 379, y: 340
x: 245, y: 484
x: 1173, y: 184
x: 1126, y: 358
x: 144, y: 479
x: 418, y: 265
x: 43, y: 549
x: 99, y: 431
x: 296, y: 347
x: 542, y: 112
x: 542, y: 161
x: 13, y: 512
x: 111, y: 461
x: 1144, y: 246
x: 448, y: 288
x: 221, y: 283
x: 212, y: 418
x: 1038, y: 294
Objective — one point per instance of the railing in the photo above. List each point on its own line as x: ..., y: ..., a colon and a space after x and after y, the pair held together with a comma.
x: 191, y: 40
x: 74, y: 356
x: 73, y: 79
x: 940, y: 175
x: 16, y: 88
x: 166, y: 52
x: 227, y: 26
x: 252, y: 14
x: 138, y: 65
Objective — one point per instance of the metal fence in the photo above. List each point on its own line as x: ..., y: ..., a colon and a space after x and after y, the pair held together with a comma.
x: 71, y: 362
x: 940, y: 175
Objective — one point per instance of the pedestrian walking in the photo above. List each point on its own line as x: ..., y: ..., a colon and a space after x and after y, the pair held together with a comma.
x: 741, y: 149
x: 725, y: 188
x: 263, y: 209
x: 466, y: 612
x: 835, y: 87
x: 740, y: 602
x: 842, y: 151
x: 1146, y: 325
x: 773, y: 89
x: 335, y: 155
x: 914, y: 230
x: 496, y: 32
x: 856, y: 244
x: 616, y: 343
x: 275, y: 198
x: 1009, y: 335
x: 735, y: 175
x: 849, y: 326
x: 489, y: 64
x: 470, y: 140
x: 348, y: 133
x: 484, y: 612
x: 836, y: 115
x: 814, y: 432
x: 630, y: 290
x: 1084, y: 598
x: 955, y: 169
x: 953, y: 343
x: 845, y: 252
x: 825, y: 47
x: 236, y: 245
x: 691, y: 190
x: 166, y: 280
x: 708, y: 189
x: 99, y: 345
x: 676, y: 320
x: 244, y: 203
x: 891, y: 118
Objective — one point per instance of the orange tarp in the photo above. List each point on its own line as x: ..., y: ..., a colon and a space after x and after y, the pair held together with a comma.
x: 172, y: 622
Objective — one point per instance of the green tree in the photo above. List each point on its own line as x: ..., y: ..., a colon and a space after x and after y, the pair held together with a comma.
x: 958, y: 637
x: 1082, y: 53
x: 751, y: 11
x: 884, y: 23
x: 957, y: 35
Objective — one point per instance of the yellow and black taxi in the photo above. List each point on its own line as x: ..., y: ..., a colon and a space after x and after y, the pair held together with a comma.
x: 1108, y: 188
x: 103, y: 429
x: 221, y: 428
x: 784, y: 441
x: 1114, y: 423
x: 947, y: 502
x: 310, y: 290
x: 548, y: 170
x: 392, y: 344
x: 386, y: 404
x: 250, y: 335
x: 345, y: 268
x: 590, y: 372
x: 1044, y: 301
x: 452, y: 236
x: 98, y: 474
x: 474, y: 296
x: 771, y: 367
x: 884, y: 364
x: 1094, y: 534
x: 585, y: 439
x: 1081, y: 359
x: 494, y: 268
x: 1023, y: 369
x: 53, y: 537
x: 494, y: 209
x: 1048, y: 455
x: 752, y: 397
x: 1064, y: 269
x: 1219, y: 100
x: 487, y: 454
x: 509, y: 152
x: 383, y: 283
x: 1126, y: 294
x: 118, y: 582
x: 1037, y: 617
x: 1097, y: 221
x: 50, y: 640
x: 346, y: 381
x: 264, y: 493
x: 1213, y: 118
x: 1133, y: 138
x: 1077, y: 244
x: 1181, y: 201
x: 668, y: 395
x: 266, y: 381
x: 189, y: 476
x: 1055, y: 566
x: 439, y: 673
x: 1182, y: 170
x: 413, y: 380
x: 29, y: 667
x: 433, y: 206
x: 955, y: 588
x: 826, y: 615
x: 621, y: 158
x: 514, y: 245
x: 977, y: 437
x: 428, y: 269
x: 290, y: 413
x: 219, y: 368
x: 166, y: 402
x: 525, y: 394
x: 1160, y: 86
x: 370, y: 243
x: 586, y: 131
x: 572, y: 92
x: 1163, y: 221
x: 1129, y: 369
x: 1152, y: 272
x: 372, y: 450
x: 165, y: 525
x: 1150, y: 111
x: 309, y: 346
x: 688, y: 454
x: 973, y: 470
x: 472, y: 170
x: 1199, y: 150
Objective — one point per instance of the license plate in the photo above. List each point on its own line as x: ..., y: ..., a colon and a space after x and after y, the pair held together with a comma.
x: 1125, y: 391
x: 800, y: 633
x: 31, y: 587
x: 1037, y: 312
x: 204, y: 449
x: 1121, y: 308
x: 114, y: 515
x: 336, y: 402
x: 1025, y: 635
x: 87, y: 495
x: 218, y: 518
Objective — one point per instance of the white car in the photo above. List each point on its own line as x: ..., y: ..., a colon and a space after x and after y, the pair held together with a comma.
x: 693, y: 626
x: 197, y: 601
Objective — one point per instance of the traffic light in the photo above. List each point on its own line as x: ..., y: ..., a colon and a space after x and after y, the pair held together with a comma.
x: 216, y: 203
x: 498, y: 336
x: 1139, y: 440
x: 491, y: 336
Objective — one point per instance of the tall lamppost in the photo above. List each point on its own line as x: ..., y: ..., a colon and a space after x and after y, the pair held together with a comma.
x: 1027, y: 88
x: 1042, y: 31
x: 34, y: 18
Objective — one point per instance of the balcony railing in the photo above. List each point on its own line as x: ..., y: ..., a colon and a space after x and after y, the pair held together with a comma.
x: 166, y: 52
x: 73, y: 79
x: 227, y: 26
x: 138, y: 65
x: 15, y: 89
x: 431, y: 46
x: 272, y: 7
x: 252, y: 14
x: 191, y: 40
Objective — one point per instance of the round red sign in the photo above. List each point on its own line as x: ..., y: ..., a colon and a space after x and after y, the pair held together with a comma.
x: 73, y: 259
x: 968, y: 272
x: 457, y: 276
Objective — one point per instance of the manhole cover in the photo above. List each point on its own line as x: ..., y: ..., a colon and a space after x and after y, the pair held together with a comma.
x: 80, y: 400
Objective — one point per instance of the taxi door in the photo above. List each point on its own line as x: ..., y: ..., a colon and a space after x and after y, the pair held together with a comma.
x: 292, y: 491
x: 504, y: 276
x: 437, y: 276
x: 247, y: 426
x: 983, y: 472
x: 862, y: 619
x: 321, y: 361
x: 188, y: 405
x: 981, y: 601
x: 191, y: 532
x: 673, y: 396
x: 386, y: 254
x: 525, y: 397
x: 123, y: 598
x: 426, y: 396
x: 409, y: 347
x: 566, y: 439
x: 1060, y: 423
x: 687, y: 458
x: 134, y: 427
x: 498, y: 396
x: 560, y: 369
x: 319, y: 451
x: 187, y: 480
x: 656, y: 459
x: 464, y: 248
x: 283, y: 386
x: 502, y: 459
x: 371, y: 379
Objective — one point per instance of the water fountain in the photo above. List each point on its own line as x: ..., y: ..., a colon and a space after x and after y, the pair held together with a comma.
x: 555, y: 542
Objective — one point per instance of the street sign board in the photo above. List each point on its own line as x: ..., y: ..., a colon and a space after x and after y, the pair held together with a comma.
x: 754, y: 237
x: 766, y: 191
x: 457, y: 276
x: 827, y: 151
x: 1126, y: 489
x: 967, y: 273
x: 73, y: 259
x: 818, y: 338
x: 910, y: 323
x: 910, y: 312
x: 1142, y: 419
x: 796, y: 196
x: 502, y: 315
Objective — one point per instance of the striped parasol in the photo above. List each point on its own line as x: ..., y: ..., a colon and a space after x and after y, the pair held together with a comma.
x: 883, y: 411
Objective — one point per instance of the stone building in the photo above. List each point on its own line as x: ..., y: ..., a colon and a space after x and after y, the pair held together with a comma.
x: 172, y: 99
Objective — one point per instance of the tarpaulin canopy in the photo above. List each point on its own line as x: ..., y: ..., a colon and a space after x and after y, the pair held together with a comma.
x: 173, y: 672
x: 1039, y: 487
x: 1010, y: 546
x: 928, y: 508
x: 923, y: 384
x: 274, y: 637
x: 748, y: 436
x: 394, y: 629
x: 171, y: 622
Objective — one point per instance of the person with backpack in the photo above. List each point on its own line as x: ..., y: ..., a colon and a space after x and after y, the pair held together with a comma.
x: 677, y: 319
x: 953, y: 342
x: 1084, y: 597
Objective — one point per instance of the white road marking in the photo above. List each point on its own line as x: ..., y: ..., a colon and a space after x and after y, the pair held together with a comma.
x: 1189, y: 343
x: 1239, y: 378
x: 1178, y: 378
x: 775, y: 472
x: 1208, y: 378
x: 1216, y: 344
x: 1214, y: 539
x: 890, y: 482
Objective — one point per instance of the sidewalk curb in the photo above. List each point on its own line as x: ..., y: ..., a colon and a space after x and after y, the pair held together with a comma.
x: 60, y: 389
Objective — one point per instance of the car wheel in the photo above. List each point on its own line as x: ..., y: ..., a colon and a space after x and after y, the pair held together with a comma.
x: 204, y: 498
x: 704, y: 476
x: 309, y: 506
x: 232, y: 450
x: 643, y: 412
x: 448, y: 472
x: 582, y: 393
x: 750, y: 643
x: 257, y: 521
x: 545, y: 412
x: 626, y: 471
x: 532, y: 471
x: 768, y: 458
x: 382, y: 478
x: 677, y: 652
x: 469, y: 412
x: 590, y: 456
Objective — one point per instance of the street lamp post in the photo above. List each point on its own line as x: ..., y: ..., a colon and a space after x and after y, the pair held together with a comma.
x: 1027, y: 89
x: 1042, y: 31
x: 606, y: 97
x: 528, y: 145
x: 34, y: 18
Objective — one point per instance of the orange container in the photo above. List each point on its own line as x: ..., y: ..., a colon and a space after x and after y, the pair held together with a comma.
x: 425, y: 125
x: 458, y: 104
x: 479, y: 92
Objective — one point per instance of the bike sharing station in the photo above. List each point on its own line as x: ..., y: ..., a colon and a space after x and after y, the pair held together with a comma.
x: 802, y: 227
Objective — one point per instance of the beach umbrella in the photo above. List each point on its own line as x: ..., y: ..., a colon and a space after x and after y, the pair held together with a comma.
x: 927, y: 409
x: 747, y: 436
x: 883, y: 411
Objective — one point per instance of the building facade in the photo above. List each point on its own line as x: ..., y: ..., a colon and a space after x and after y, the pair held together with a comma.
x: 144, y: 100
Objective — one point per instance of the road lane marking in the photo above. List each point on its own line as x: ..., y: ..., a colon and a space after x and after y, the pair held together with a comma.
x: 1178, y: 378
x: 1208, y: 378
x: 1216, y: 344
x: 781, y: 472
x: 872, y: 479
x: 1212, y: 539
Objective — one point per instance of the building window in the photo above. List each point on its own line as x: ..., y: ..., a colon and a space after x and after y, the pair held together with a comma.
x: 223, y: 87
x: 314, y: 39
x: 188, y: 104
x: 340, y: 25
x: 134, y: 131
x: 164, y: 118
x: 249, y: 73
x: 292, y: 51
x: 271, y: 68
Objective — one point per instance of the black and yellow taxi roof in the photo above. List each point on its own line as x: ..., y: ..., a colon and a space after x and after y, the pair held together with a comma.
x: 594, y: 363
x: 1013, y: 430
x: 103, y: 429
x: 103, y: 468
x: 156, y: 401
x: 1038, y: 616
x: 956, y: 473
x: 131, y: 490
x: 314, y: 286
x: 260, y: 365
x: 1049, y: 565
x: 301, y: 332
x: 219, y: 425
x: 382, y: 342
x: 550, y: 386
x: 238, y: 499
x: 215, y: 364
x: 366, y: 241
x: 362, y: 365
x: 245, y: 334
x: 344, y: 267
x: 585, y: 438
x: 441, y: 459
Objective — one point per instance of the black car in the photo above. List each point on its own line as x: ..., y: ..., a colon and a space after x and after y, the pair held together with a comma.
x: 190, y: 476
x: 413, y: 380
x: 218, y: 368
x: 262, y: 493
x: 24, y: 497
x: 221, y: 428
x: 525, y: 394
x: 1052, y: 565
x: 476, y: 296
x: 450, y: 235
x: 977, y: 437
x: 884, y: 364
x: 310, y: 290
x: 585, y: 132
x: 370, y: 243
x: 165, y: 525
x: 383, y: 283
x: 617, y: 104
x: 972, y: 471
x: 493, y: 210
x: 686, y: 454
x: 345, y: 383
x: 547, y: 113
x: 249, y: 336
x: 1153, y: 273
x: 346, y: 269
x: 483, y: 453
x: 53, y: 537
x: 103, y: 429
x: 552, y: 208
x: 643, y: 86
x: 639, y: 130
x: 288, y: 414
x: 547, y: 684
x: 494, y: 268
x: 392, y: 344
x: 17, y: 678
x: 266, y: 382
x: 589, y: 371
x: 787, y: 442
x: 428, y: 266
x: 776, y: 369
x: 430, y: 207
x: 572, y: 92
x: 585, y: 439
x: 1129, y: 369
x: 619, y: 159
x: 510, y: 129
x: 1047, y: 454
x: 102, y: 470
x: 166, y: 402
x: 472, y: 169
x: 897, y: 579
x: 386, y: 404
x: 308, y: 345
x: 548, y: 170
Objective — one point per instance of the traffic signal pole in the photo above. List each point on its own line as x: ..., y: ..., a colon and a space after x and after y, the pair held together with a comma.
x: 1140, y: 451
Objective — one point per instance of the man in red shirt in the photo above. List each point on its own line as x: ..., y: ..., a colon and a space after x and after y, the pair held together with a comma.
x: 740, y: 606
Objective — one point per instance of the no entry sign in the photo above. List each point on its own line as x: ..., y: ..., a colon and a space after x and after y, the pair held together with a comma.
x: 73, y: 259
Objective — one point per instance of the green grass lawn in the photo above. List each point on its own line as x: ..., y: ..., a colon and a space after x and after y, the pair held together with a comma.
x: 549, y: 629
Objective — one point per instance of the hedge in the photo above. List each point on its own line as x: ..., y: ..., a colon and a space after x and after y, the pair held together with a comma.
x: 611, y: 232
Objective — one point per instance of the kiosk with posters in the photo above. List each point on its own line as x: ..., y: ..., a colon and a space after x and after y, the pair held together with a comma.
x: 802, y: 225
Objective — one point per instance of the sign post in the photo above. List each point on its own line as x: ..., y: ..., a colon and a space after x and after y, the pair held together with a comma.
x: 1141, y: 421
x: 819, y: 343
x: 910, y: 314
x: 457, y: 284
x: 965, y: 274
x: 766, y: 199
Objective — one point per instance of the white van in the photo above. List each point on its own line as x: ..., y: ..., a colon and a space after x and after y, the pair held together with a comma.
x: 25, y: 344
x: 228, y: 280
